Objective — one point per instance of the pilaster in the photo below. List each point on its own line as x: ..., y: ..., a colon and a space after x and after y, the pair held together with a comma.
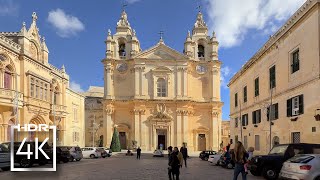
x: 185, y: 83
x: 214, y: 130
x: 109, y: 126
x: 179, y: 128
x: 108, y: 81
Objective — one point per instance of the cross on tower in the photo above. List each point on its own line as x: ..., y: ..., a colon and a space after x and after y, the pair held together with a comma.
x: 199, y: 5
x: 124, y: 5
x: 161, y: 34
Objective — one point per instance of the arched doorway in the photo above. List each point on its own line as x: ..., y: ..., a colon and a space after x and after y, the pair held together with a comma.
x: 33, y: 134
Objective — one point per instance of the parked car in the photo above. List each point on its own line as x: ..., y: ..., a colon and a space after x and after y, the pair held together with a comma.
x: 109, y: 151
x: 103, y: 152
x: 158, y: 153
x: 214, y: 159
x: 270, y: 165
x: 75, y: 153
x: 90, y: 152
x: 63, y: 154
x: 302, y: 166
x: 226, y: 160
x: 23, y: 160
x: 204, y: 155
x: 4, y: 158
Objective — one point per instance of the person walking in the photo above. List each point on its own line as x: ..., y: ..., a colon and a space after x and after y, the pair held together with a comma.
x: 138, y: 153
x: 180, y: 156
x: 175, y: 164
x: 184, y: 152
x: 239, y: 156
x: 170, y: 158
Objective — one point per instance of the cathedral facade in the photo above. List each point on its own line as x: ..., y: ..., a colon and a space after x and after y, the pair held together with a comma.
x: 160, y: 97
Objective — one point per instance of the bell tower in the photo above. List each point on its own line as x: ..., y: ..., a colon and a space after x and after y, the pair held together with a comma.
x: 124, y: 44
x: 199, y: 45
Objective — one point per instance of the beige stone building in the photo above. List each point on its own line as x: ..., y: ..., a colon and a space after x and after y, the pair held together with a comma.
x: 34, y: 91
x: 286, y: 68
x: 159, y: 96
x: 225, y: 133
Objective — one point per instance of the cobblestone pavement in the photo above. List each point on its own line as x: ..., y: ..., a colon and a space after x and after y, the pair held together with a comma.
x: 121, y: 167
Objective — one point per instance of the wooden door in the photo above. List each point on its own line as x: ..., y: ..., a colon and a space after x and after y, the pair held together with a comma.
x: 123, y: 140
x: 162, y: 140
x: 201, y: 142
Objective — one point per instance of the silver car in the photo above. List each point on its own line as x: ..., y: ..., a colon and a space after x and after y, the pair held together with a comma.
x: 4, y: 158
x: 302, y: 166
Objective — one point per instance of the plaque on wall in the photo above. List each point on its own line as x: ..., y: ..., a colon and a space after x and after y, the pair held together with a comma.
x: 122, y: 67
x: 201, y: 69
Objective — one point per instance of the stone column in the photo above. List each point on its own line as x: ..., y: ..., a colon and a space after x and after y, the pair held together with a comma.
x: 137, y: 126
x: 185, y: 128
x: 136, y: 81
x: 178, y: 83
x: 185, y: 82
x: 144, y: 131
x: 1, y: 78
x: 179, y: 128
x: 215, y: 131
x: 154, y: 137
x: 173, y: 134
x: 215, y: 83
x: 108, y: 81
x: 5, y: 126
x: 108, y: 127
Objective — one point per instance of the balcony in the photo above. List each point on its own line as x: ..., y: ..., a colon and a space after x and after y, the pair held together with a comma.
x: 58, y: 110
x: 7, y: 97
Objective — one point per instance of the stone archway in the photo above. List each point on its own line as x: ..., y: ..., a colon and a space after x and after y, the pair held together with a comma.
x: 32, y: 135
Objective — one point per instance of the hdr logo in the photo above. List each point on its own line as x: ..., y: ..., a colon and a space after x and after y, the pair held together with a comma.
x: 30, y: 150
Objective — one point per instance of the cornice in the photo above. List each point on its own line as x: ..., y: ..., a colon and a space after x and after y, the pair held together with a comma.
x: 272, y: 42
x: 10, y: 44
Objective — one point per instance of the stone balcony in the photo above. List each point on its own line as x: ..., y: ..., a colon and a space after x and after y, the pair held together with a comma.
x: 7, y: 97
x: 58, y: 110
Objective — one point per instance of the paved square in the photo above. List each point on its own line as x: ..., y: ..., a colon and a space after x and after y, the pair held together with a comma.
x: 121, y: 167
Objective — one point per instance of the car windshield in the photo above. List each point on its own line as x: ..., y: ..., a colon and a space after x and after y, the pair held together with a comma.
x: 301, y: 158
x: 3, y: 148
x: 279, y: 149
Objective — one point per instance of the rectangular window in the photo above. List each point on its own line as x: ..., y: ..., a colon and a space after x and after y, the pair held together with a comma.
x: 274, y: 112
x: 245, y: 94
x: 7, y: 80
x: 245, y: 142
x: 236, y: 100
x: 272, y: 77
x: 295, y: 137
x: 75, y: 115
x: 235, y: 122
x: 244, y: 120
x: 236, y: 139
x: 257, y: 142
x: 295, y: 62
x: 256, y: 116
x: 32, y: 90
x: 313, y: 129
x: 295, y: 106
x: 256, y: 87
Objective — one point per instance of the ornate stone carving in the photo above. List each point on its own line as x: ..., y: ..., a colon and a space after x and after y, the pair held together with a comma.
x: 215, y: 113
x: 109, y: 111
x: 123, y: 21
x: 200, y: 22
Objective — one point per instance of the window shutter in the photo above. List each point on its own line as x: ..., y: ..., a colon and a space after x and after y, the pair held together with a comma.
x: 301, y: 104
x: 289, y: 107
x: 259, y: 113
x: 268, y: 112
x: 276, y: 111
x: 253, y: 117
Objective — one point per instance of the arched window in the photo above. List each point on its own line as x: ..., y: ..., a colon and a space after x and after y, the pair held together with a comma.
x: 276, y: 140
x: 8, y: 78
x: 122, y: 50
x: 56, y: 96
x: 161, y: 88
x: 200, y: 51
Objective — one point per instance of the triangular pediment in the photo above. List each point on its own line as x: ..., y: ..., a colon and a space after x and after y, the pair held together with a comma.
x: 161, y: 52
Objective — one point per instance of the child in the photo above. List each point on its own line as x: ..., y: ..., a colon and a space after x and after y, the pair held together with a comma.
x: 250, y: 154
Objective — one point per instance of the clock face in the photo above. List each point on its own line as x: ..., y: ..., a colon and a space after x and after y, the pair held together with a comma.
x: 201, y: 69
x: 122, y: 67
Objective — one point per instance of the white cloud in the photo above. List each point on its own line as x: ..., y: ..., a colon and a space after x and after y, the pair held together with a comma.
x: 132, y: 1
x: 76, y: 87
x: 224, y: 75
x: 7, y: 7
x: 66, y: 25
x: 231, y: 19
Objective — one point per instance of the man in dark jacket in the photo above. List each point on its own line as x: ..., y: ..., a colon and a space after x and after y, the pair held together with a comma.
x: 185, y: 155
x: 138, y: 153
x: 173, y: 164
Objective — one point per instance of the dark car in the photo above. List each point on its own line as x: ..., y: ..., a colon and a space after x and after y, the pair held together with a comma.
x: 104, y: 153
x: 63, y: 154
x: 269, y: 166
x: 226, y: 160
x: 204, y: 155
x: 23, y: 160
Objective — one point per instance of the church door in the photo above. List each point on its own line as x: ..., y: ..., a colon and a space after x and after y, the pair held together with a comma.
x: 201, y: 142
x: 161, y: 141
x: 123, y: 140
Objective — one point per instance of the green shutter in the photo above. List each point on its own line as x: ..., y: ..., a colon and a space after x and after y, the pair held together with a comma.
x: 289, y: 107
x: 301, y: 110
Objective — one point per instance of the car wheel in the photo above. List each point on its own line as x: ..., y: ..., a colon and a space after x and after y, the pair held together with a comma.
x: 25, y: 163
x: 229, y: 166
x: 5, y: 168
x: 206, y: 158
x: 269, y: 173
x: 255, y: 173
x: 78, y: 159
x: 71, y: 159
x: 317, y: 178
x: 92, y: 156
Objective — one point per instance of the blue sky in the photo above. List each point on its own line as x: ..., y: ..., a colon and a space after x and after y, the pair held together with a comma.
x: 75, y: 30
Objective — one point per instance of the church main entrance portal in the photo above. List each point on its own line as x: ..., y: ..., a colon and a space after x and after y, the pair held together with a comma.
x: 162, y: 135
x: 123, y: 140
x: 201, y: 142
